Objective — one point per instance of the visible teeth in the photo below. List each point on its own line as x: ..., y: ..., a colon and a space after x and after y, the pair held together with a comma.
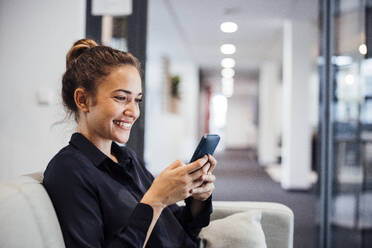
x: 123, y: 124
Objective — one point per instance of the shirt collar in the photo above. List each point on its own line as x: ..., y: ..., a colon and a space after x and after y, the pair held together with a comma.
x: 94, y: 154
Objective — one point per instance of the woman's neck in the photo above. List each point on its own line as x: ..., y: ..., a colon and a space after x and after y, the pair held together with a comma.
x: 104, y: 145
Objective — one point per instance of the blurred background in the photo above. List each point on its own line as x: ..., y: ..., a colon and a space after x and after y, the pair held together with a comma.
x: 286, y: 84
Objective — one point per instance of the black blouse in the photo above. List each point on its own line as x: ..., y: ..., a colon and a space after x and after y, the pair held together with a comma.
x: 97, y: 201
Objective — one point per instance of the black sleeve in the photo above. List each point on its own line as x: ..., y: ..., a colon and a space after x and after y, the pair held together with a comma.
x: 73, y: 192
x: 193, y: 225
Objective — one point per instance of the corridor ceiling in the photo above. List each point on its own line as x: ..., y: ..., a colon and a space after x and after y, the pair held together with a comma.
x: 197, y: 24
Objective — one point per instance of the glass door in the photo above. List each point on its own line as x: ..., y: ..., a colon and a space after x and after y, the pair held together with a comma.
x: 346, y: 195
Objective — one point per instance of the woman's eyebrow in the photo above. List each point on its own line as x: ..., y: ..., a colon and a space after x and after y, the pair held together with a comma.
x: 128, y: 92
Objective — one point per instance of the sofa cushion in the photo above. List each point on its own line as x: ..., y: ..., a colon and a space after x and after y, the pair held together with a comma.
x: 237, y: 230
x: 27, y: 215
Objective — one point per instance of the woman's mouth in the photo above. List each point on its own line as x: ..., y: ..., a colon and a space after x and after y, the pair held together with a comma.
x: 123, y: 125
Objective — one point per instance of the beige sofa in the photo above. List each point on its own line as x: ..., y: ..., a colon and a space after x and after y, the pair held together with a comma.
x: 28, y: 218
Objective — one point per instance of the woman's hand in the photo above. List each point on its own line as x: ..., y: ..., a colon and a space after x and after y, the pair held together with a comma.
x: 175, y: 183
x: 204, y: 191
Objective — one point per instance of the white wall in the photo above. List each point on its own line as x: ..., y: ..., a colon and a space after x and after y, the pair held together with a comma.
x: 168, y: 136
x: 34, y: 38
x: 296, y: 132
x: 241, y: 132
x: 268, y: 115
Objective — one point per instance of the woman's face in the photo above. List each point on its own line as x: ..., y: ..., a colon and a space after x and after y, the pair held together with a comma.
x: 115, y: 106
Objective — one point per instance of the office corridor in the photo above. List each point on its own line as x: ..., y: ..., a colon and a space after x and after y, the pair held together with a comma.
x: 240, y: 178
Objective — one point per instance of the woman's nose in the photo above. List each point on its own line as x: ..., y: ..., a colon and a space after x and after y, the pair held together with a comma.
x: 132, y: 110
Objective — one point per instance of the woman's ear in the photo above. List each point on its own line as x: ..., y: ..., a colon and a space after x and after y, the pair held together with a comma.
x: 81, y: 99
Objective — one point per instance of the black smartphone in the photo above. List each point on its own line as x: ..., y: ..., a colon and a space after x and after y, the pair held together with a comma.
x: 207, y: 145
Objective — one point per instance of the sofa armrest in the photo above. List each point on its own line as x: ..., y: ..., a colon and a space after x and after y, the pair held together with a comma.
x: 277, y: 219
x: 27, y: 215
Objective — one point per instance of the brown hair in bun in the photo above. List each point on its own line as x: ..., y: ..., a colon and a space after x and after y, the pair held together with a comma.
x: 77, y: 49
x: 86, y: 63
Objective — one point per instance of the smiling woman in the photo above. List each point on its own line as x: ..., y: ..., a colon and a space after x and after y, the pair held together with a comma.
x: 114, y: 108
x: 110, y: 199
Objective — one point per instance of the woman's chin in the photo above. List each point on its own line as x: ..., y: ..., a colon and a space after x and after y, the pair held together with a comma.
x: 122, y: 139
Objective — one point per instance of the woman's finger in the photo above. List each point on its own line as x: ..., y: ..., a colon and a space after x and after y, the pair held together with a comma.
x: 206, y: 168
x: 213, y: 163
x: 175, y: 164
x: 197, y: 183
x: 204, y: 177
x: 210, y: 178
x: 196, y: 175
x: 205, y: 188
x: 196, y: 165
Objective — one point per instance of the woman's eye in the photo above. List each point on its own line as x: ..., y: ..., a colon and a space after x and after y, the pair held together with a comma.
x: 138, y: 100
x: 121, y: 98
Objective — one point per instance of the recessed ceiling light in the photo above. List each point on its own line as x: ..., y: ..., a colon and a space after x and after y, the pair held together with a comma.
x: 228, y: 86
x: 349, y: 79
x: 226, y: 80
x: 229, y: 27
x: 228, y: 49
x: 363, y: 49
x: 227, y: 73
x: 227, y: 62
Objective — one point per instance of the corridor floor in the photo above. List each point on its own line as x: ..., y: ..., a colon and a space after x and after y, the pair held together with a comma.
x: 240, y: 178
